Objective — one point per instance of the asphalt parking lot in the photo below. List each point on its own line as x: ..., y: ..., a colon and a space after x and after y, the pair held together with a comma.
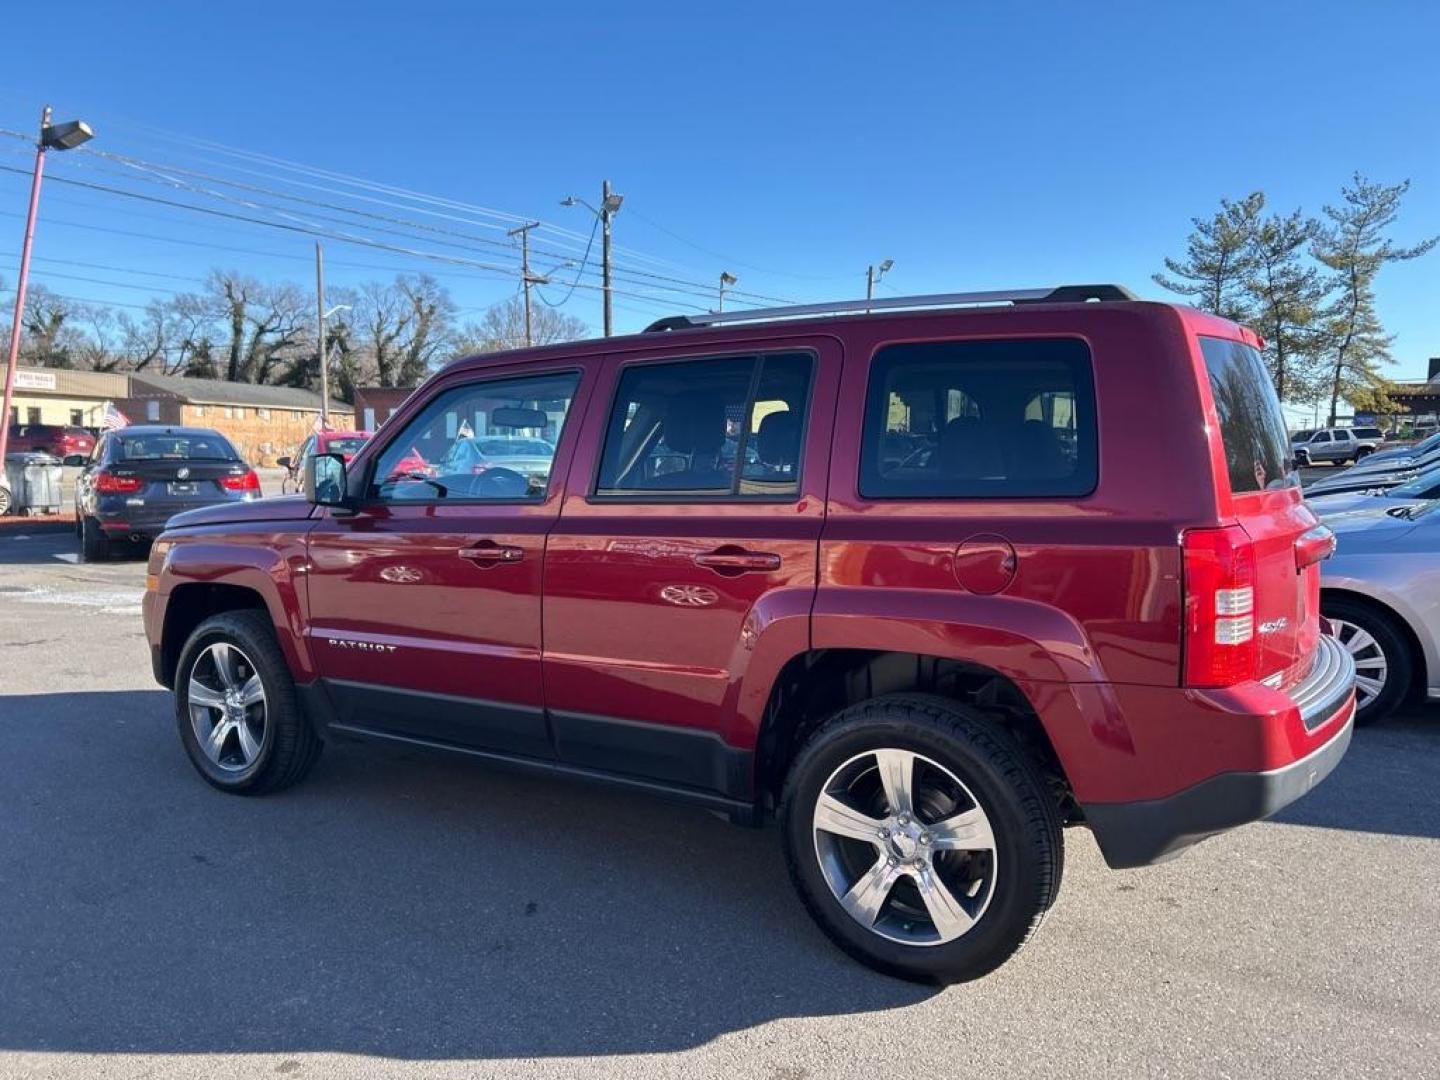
x: 403, y: 915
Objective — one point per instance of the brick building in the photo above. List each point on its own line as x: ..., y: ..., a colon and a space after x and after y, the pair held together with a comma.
x: 264, y: 422
x: 376, y: 404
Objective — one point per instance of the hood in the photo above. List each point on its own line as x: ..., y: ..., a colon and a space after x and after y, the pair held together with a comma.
x: 1328, y: 506
x: 277, y: 508
x: 1365, y: 529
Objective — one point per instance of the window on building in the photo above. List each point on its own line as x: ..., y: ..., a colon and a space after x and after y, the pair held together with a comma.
x: 980, y: 419
x: 296, y: 414
x: 77, y: 417
x: 199, y: 410
x: 714, y: 428
x: 239, y: 412
x: 32, y: 415
x: 152, y: 411
x: 263, y: 414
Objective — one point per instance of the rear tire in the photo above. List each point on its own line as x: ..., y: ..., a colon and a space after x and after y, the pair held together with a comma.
x: 94, y: 544
x: 922, y: 895
x: 1302, y: 459
x: 278, y: 747
x: 1384, y: 663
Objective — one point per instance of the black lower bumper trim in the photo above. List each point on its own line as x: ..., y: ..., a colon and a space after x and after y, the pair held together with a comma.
x: 1141, y: 833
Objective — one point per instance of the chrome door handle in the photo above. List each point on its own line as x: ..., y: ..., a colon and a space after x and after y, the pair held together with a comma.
x: 737, y: 561
x: 489, y: 553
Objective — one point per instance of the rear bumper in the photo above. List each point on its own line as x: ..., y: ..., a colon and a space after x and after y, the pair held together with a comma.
x: 1151, y: 830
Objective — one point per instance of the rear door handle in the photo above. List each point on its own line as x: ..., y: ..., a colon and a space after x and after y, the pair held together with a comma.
x: 489, y: 553
x: 738, y: 561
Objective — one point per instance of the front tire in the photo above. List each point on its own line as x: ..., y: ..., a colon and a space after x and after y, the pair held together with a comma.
x: 921, y: 838
x: 1384, y: 664
x: 239, y: 717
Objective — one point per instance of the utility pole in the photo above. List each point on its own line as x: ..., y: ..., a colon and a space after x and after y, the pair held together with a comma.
x: 726, y: 278
x: 609, y: 207
x: 526, y: 278
x: 605, y: 215
x: 320, y: 348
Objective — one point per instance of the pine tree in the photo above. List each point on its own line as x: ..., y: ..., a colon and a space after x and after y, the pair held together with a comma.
x: 1218, y: 259
x: 1353, y: 247
x: 1286, y: 296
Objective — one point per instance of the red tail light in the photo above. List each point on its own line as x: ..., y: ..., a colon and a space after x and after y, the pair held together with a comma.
x: 111, y: 484
x: 246, y: 481
x: 1221, y: 646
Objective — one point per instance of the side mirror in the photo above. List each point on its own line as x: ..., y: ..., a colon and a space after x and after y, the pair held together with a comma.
x: 325, y: 483
x: 284, y: 462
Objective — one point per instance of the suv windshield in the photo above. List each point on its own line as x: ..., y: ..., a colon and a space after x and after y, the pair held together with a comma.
x: 1252, y: 430
x: 172, y: 447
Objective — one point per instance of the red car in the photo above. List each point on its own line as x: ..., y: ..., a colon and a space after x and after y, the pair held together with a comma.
x: 69, y: 444
x: 344, y: 443
x: 927, y: 585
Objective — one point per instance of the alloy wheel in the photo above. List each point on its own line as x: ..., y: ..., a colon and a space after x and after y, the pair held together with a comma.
x: 1371, y: 667
x: 905, y: 847
x: 227, y: 707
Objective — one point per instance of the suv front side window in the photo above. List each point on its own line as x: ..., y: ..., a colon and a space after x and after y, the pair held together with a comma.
x: 439, y: 455
x: 726, y: 427
x: 980, y: 419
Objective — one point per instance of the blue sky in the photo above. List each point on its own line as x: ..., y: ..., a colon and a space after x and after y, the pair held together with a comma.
x: 978, y: 145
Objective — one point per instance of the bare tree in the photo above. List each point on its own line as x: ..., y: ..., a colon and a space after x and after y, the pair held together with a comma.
x: 503, y: 327
x: 403, y: 328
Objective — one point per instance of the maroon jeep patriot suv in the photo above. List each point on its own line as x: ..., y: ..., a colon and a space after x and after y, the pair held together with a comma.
x: 928, y: 579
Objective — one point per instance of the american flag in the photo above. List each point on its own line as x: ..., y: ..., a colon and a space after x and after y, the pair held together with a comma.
x: 112, y: 418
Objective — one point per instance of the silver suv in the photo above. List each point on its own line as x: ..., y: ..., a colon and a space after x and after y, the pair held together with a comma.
x: 1335, y: 444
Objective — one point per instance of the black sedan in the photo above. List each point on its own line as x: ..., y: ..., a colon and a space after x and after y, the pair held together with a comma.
x: 140, y: 476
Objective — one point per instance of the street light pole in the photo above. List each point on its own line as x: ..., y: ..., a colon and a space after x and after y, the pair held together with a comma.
x: 62, y: 137
x: 320, y: 349
x: 609, y: 207
x: 605, y: 214
x: 726, y: 278
x: 874, y: 274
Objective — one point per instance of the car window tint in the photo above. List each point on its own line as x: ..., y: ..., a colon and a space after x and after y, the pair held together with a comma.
x: 438, y: 455
x: 718, y: 427
x: 1252, y: 427
x: 980, y: 419
x: 173, y: 447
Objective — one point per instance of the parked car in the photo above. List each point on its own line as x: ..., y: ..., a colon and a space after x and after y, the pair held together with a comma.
x: 140, y: 476
x: 923, y: 667
x: 1336, y: 444
x: 72, y: 445
x: 344, y: 443
x: 525, y: 456
x: 1362, y: 477
x: 1398, y: 456
x: 1390, y: 491
x: 1381, y: 593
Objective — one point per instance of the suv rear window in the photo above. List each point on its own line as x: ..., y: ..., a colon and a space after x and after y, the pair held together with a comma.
x: 1252, y: 427
x: 980, y: 419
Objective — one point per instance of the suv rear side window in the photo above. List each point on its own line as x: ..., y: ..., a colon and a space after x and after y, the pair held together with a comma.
x: 1252, y: 427
x: 980, y: 419
x: 729, y: 427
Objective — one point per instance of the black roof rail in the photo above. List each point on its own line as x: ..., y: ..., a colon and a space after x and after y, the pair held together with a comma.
x: 1062, y: 294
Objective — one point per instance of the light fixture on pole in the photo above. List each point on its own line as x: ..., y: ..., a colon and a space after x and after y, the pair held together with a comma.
x: 64, y: 136
x: 726, y: 278
x: 874, y: 274
x: 609, y: 206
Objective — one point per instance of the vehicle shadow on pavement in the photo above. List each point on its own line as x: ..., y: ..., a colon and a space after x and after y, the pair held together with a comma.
x: 396, y: 903
x: 1386, y: 782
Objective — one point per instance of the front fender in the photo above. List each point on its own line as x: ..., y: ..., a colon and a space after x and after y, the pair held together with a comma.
x: 270, y: 566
